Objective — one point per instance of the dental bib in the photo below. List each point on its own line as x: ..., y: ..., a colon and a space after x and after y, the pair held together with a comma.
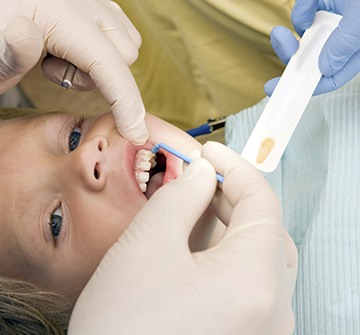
x: 318, y: 182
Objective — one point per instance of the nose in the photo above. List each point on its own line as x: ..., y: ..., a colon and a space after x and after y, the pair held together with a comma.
x: 87, y: 162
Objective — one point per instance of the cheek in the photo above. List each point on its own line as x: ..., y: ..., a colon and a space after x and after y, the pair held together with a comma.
x: 95, y: 231
x: 105, y: 220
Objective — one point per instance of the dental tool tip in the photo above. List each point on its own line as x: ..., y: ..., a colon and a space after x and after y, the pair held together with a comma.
x: 155, y: 148
x: 180, y: 155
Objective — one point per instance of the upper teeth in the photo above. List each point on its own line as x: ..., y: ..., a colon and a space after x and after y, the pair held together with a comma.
x: 144, y: 161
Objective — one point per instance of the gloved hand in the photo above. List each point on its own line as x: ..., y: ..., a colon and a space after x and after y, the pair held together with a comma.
x: 339, y: 60
x: 150, y: 283
x: 94, y: 35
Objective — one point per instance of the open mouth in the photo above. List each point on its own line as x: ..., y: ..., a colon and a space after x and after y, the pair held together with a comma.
x: 149, y: 171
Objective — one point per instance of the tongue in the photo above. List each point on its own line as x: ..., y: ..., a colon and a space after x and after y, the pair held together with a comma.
x: 154, y: 184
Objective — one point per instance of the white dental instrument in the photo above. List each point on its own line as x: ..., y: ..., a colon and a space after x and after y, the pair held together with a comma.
x: 285, y: 107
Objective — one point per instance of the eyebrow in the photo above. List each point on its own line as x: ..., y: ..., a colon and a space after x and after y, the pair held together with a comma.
x: 21, y: 206
x: 26, y: 197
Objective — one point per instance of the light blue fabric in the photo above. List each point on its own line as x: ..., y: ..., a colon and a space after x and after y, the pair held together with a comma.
x: 318, y: 182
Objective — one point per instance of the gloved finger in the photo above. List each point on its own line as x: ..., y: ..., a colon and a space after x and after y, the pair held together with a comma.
x: 244, y: 186
x: 107, y: 69
x: 303, y: 14
x: 270, y: 85
x: 21, y: 46
x: 343, y: 43
x: 255, y: 231
x: 122, y: 33
x: 121, y: 39
x: 327, y: 84
x: 221, y: 206
x: 117, y: 85
x: 340, y: 78
x: 54, y: 69
x: 174, y: 209
x: 133, y: 32
x: 284, y: 43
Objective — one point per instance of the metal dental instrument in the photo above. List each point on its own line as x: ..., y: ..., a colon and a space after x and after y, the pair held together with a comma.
x: 68, y: 76
x: 284, y: 109
x: 178, y: 154
x: 208, y: 127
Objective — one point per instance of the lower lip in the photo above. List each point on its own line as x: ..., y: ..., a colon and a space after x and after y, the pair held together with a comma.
x: 173, y: 167
x: 173, y: 170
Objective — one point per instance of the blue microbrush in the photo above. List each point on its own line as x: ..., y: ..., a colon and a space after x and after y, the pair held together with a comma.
x: 178, y: 154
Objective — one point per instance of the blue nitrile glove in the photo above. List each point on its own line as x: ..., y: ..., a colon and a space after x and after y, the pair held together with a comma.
x: 339, y: 60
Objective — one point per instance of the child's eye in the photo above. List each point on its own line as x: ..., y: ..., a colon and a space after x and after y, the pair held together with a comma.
x: 75, y: 134
x: 55, y: 222
x: 74, y: 139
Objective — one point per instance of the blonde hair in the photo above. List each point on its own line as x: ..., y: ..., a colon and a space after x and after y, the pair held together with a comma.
x: 25, y: 309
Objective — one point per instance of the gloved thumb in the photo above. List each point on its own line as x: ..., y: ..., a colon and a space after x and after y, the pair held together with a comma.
x: 174, y: 209
x: 21, y: 46
x: 141, y: 260
x: 270, y: 85
x: 284, y: 43
x: 162, y: 227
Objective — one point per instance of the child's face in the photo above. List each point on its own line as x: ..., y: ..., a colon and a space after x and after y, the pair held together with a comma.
x: 62, y: 206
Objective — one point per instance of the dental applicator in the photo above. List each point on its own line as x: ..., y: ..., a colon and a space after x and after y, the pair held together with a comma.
x: 284, y: 109
x: 180, y: 155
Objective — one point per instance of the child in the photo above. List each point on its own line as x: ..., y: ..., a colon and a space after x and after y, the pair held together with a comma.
x: 69, y: 182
